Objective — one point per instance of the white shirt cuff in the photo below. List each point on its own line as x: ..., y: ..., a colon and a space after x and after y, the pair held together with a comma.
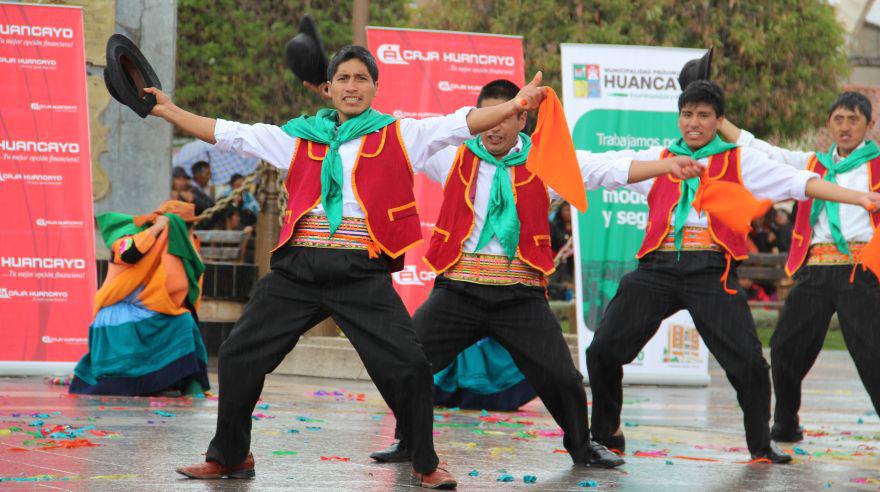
x: 799, y: 184
x: 619, y: 173
x: 223, y: 130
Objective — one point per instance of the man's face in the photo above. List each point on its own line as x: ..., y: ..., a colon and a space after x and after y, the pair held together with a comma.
x: 237, y: 183
x: 203, y: 176
x: 848, y: 128
x: 500, y: 139
x: 698, y: 123
x: 352, y: 89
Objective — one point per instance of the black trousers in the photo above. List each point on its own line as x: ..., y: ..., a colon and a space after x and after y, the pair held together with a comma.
x: 305, y: 286
x: 660, y: 286
x: 803, y: 323
x: 458, y: 314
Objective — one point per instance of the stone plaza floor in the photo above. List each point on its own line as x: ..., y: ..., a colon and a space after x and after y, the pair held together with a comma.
x: 315, y: 434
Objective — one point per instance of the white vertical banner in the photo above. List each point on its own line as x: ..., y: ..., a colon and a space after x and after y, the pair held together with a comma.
x: 625, y: 97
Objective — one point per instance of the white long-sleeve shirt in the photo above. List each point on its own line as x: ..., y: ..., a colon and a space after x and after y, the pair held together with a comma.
x: 855, y: 222
x: 596, y: 172
x: 762, y: 176
x: 422, y: 138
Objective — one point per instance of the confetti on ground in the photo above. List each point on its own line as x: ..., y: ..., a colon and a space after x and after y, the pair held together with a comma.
x: 261, y: 416
x: 560, y: 451
x: 37, y: 478
x: 696, y: 458
x: 333, y: 458
x: 530, y: 479
x: 162, y: 413
x: 505, y: 478
x: 588, y: 483
x: 292, y: 431
x: 306, y: 419
x: 668, y: 462
x: 651, y: 454
x: 800, y: 451
x: 473, y: 473
x: 630, y: 424
x: 313, y: 428
x: 263, y: 406
x: 285, y: 453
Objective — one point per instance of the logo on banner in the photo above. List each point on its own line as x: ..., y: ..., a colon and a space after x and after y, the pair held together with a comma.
x: 68, y: 340
x: 61, y: 108
x: 50, y: 179
x: 41, y: 222
x: 683, y: 345
x: 586, y: 81
x: 389, y: 54
x: 43, y: 263
x: 36, y: 31
x: 36, y: 295
x: 39, y: 146
x: 447, y: 86
x: 410, y: 275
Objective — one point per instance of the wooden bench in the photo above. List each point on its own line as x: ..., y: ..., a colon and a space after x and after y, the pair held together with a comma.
x: 767, y: 267
x: 224, y: 246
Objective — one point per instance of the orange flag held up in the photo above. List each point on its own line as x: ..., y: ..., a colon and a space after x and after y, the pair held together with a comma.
x: 730, y: 203
x: 553, y: 157
x: 869, y: 257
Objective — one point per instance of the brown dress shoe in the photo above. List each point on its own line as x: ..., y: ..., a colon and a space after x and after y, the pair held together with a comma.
x: 437, y: 479
x: 212, y: 469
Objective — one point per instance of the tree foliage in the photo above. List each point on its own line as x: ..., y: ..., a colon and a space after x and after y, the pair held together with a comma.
x: 230, y: 54
x: 780, y: 61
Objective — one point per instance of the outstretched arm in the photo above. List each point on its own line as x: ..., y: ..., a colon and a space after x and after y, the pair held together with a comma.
x: 679, y: 166
x: 528, y: 98
x: 200, y: 127
x: 823, y: 190
x: 797, y: 159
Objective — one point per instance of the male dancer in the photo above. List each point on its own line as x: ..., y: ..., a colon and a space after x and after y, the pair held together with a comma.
x: 350, y: 217
x: 828, y: 238
x: 491, y: 251
x: 680, y: 262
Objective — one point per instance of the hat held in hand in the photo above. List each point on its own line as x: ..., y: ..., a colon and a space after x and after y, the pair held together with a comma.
x: 128, y: 73
x: 305, y: 54
x: 696, y: 69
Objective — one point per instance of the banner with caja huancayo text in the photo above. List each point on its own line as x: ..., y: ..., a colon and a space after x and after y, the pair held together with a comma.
x: 47, y: 251
x: 625, y: 97
x: 433, y: 73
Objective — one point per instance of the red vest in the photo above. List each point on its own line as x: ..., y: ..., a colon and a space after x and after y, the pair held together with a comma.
x: 666, y: 192
x: 803, y: 230
x: 456, y: 220
x: 382, y: 181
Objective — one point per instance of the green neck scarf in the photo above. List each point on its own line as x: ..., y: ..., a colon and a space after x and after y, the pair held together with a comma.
x: 689, y: 186
x: 501, y: 218
x: 322, y: 128
x: 853, y: 161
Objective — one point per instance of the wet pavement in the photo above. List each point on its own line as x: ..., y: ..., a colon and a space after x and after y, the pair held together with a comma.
x: 315, y: 434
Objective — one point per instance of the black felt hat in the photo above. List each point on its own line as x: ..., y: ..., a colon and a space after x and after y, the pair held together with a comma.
x: 696, y: 69
x: 305, y: 54
x: 128, y: 73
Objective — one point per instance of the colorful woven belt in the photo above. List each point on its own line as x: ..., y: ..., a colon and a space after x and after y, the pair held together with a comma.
x: 695, y: 239
x: 313, y: 231
x: 494, y: 270
x: 828, y: 254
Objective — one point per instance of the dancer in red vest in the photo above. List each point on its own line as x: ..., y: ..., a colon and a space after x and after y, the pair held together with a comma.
x: 827, y: 238
x: 351, y: 215
x: 491, y: 251
x: 682, y: 259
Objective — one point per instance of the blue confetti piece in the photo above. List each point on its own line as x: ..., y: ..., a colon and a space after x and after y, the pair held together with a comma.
x: 313, y: 428
x: 588, y: 483
x: 668, y: 462
x: 292, y: 431
x: 504, y: 478
x: 860, y: 421
x: 199, y: 396
x: 40, y: 415
x: 630, y: 424
x: 484, y: 413
x: 827, y: 485
x: 530, y: 479
x: 801, y: 451
x: 263, y: 406
x: 473, y: 473
x: 163, y: 413
x: 36, y: 423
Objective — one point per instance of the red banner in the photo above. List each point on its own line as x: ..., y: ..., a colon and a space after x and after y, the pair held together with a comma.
x: 432, y: 73
x: 47, y: 254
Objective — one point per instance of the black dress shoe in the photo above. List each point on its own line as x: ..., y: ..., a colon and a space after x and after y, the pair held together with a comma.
x: 392, y: 454
x: 773, y: 454
x: 782, y: 434
x: 616, y: 443
x: 601, y: 457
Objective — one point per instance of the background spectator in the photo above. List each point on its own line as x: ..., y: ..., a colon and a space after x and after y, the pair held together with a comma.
x: 202, y: 178
x: 562, y: 281
x: 782, y: 225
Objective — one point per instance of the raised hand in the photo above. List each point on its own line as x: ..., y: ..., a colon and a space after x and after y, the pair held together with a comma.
x: 163, y: 102
x: 531, y: 96
x: 322, y: 89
